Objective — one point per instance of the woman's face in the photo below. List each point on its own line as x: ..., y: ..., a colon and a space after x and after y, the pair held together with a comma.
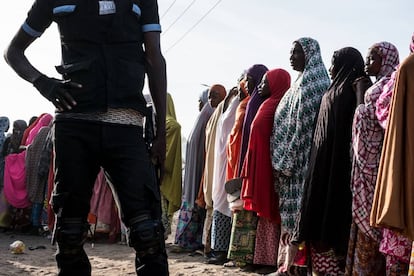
x: 373, y: 62
x: 333, y: 70
x: 297, y: 57
x: 214, y: 98
x: 263, y: 88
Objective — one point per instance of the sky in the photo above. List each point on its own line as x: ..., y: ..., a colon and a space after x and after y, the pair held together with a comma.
x: 213, y: 41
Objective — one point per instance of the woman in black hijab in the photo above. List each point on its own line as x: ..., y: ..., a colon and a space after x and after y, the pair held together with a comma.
x: 326, y: 211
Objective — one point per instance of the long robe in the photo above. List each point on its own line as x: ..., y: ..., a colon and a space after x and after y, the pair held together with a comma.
x: 293, y: 127
x: 210, y: 142
x: 195, y: 156
x: 235, y: 140
x: 393, y: 198
x: 258, y: 191
x: 171, y: 187
x: 367, y: 140
x: 256, y: 73
x: 326, y: 211
x: 224, y: 125
x: 190, y: 220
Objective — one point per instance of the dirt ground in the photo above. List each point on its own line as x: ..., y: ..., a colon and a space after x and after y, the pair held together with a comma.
x: 106, y: 259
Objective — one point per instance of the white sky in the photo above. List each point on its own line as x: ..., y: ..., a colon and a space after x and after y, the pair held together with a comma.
x: 233, y: 36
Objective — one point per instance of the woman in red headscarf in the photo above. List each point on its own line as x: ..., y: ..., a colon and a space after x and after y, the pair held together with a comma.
x: 258, y: 191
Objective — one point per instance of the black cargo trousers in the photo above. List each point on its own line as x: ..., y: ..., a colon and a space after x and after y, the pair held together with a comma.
x: 81, y: 148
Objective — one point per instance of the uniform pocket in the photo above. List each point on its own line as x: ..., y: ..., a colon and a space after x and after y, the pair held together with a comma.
x: 65, y: 69
x: 84, y: 73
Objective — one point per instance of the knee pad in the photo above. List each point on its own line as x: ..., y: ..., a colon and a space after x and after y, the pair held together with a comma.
x: 145, y: 235
x: 71, y: 234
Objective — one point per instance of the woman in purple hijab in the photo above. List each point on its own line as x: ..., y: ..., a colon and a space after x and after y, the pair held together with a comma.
x: 254, y: 76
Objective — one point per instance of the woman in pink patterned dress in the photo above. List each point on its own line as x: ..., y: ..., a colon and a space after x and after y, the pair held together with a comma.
x: 364, y: 257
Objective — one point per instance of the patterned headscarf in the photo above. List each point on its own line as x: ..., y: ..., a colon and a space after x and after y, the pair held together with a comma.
x: 293, y: 126
x: 390, y: 58
x: 294, y: 116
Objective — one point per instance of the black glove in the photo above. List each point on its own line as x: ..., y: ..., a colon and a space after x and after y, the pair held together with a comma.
x: 57, y: 91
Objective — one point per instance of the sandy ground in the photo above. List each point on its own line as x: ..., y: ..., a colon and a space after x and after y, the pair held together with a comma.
x: 106, y: 259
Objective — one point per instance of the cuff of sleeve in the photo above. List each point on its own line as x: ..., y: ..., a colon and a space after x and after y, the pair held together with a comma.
x: 151, y: 28
x: 29, y: 30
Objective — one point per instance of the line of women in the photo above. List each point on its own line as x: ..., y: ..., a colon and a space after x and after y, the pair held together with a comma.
x: 311, y: 176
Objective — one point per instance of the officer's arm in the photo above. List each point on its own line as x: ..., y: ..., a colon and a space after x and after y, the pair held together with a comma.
x: 156, y: 72
x: 15, y: 57
x: 56, y: 91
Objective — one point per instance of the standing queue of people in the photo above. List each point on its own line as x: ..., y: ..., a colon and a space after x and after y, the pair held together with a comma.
x: 309, y: 176
x: 27, y: 183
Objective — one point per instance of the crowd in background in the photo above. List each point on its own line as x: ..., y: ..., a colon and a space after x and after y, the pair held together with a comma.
x: 305, y: 176
x: 282, y: 175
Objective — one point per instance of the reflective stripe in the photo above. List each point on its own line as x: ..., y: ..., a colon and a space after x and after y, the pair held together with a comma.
x: 151, y: 28
x: 65, y: 8
x: 30, y: 30
x: 136, y: 9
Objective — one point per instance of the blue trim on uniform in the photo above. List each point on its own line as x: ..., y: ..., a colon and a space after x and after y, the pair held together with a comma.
x: 30, y: 30
x: 65, y: 8
x: 151, y: 28
x: 136, y: 9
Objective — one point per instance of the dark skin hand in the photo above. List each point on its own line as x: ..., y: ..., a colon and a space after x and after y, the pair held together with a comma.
x: 57, y: 91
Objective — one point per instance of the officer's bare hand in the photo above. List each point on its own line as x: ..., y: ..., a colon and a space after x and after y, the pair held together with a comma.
x: 57, y: 91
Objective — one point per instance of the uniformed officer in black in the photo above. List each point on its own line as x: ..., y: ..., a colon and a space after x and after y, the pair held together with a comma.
x: 108, y: 47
